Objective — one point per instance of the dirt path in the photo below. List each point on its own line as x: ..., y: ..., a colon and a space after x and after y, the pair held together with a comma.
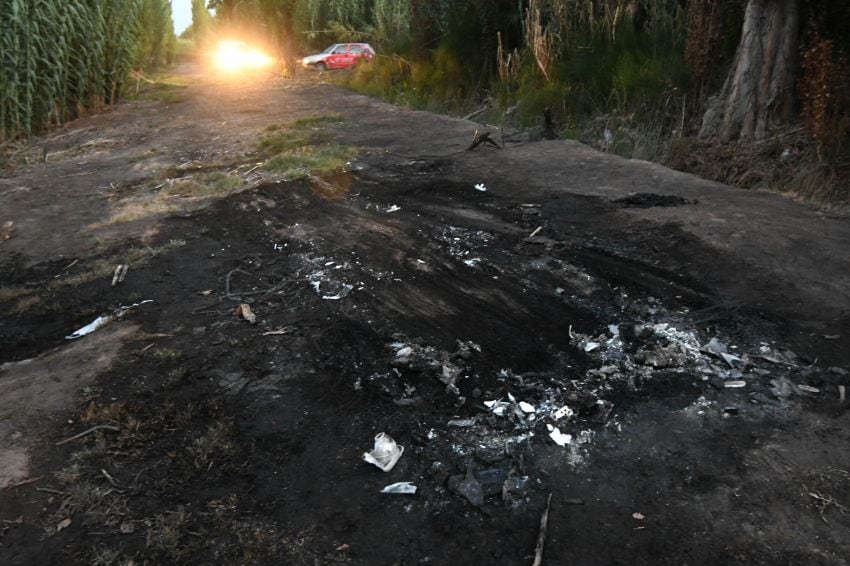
x: 664, y: 355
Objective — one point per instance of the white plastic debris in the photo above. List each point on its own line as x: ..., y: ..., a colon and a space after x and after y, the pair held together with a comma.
x: 526, y: 407
x: 559, y: 437
x: 393, y: 208
x: 99, y: 322
x: 481, y: 187
x: 591, y: 346
x: 343, y: 293
x: 103, y: 320
x: 404, y: 352
x: 402, y: 488
x: 498, y: 408
x: 715, y: 346
x: 462, y: 423
x: 563, y: 412
x: 385, y: 453
x: 735, y: 384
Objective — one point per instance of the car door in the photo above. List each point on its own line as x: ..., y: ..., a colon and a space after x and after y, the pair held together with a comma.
x: 337, y: 59
x: 356, y: 53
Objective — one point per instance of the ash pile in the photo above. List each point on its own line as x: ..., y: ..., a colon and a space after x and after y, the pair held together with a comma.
x: 485, y: 452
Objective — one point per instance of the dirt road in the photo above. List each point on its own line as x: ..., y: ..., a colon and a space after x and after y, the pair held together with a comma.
x: 665, y: 356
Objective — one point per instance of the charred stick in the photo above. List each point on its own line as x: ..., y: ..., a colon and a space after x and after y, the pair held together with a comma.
x: 541, y: 538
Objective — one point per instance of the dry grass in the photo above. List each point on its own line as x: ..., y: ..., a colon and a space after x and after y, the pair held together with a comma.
x: 215, y: 444
x: 318, y: 120
x: 210, y: 184
x: 92, y: 146
x: 94, y: 504
x: 168, y: 532
x: 25, y: 304
x: 310, y: 160
x: 172, y: 195
x: 786, y: 163
x: 10, y: 293
x: 109, y: 557
x: 167, y: 355
x: 136, y: 209
x: 113, y: 412
x: 70, y: 474
x: 301, y: 148
x: 104, y: 268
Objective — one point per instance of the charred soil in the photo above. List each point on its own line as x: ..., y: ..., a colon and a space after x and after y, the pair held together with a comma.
x: 529, y: 321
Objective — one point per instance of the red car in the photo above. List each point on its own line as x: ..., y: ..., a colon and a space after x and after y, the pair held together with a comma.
x: 340, y: 56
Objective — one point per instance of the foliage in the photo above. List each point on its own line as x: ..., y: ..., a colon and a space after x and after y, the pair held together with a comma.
x: 202, y: 22
x: 824, y: 84
x: 59, y: 58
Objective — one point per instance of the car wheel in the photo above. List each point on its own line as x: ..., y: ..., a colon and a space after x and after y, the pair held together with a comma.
x: 321, y: 67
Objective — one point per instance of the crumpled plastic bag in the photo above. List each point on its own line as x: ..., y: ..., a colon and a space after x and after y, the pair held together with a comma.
x: 385, y: 453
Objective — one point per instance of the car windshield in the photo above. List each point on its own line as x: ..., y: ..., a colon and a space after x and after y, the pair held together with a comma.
x: 330, y: 49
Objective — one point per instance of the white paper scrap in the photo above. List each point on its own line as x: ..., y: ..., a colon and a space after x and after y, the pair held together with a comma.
x: 402, y: 487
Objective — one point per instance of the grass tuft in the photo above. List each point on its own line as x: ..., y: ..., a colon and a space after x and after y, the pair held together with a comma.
x: 312, y: 160
x: 317, y: 120
x: 210, y: 184
x: 216, y: 443
x: 167, y: 534
x: 301, y: 149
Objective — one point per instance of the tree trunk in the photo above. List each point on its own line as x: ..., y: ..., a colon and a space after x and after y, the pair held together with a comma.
x: 759, y: 91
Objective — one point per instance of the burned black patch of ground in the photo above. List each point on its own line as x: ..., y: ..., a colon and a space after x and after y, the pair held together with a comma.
x: 649, y: 200
x: 242, y: 443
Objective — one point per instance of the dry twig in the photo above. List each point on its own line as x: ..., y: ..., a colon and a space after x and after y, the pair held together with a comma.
x: 87, y: 432
x: 541, y: 538
x: 24, y: 482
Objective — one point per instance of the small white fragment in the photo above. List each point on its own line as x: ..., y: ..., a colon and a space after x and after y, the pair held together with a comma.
x: 808, y: 389
x: 735, y: 384
x: 461, y: 423
x: 498, y: 408
x: 563, y: 412
x: 526, y: 407
x: 559, y: 437
x: 591, y: 346
x: 481, y: 187
x: 402, y: 488
x: 393, y: 208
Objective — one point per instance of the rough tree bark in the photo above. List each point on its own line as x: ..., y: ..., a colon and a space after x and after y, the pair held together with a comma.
x: 759, y: 91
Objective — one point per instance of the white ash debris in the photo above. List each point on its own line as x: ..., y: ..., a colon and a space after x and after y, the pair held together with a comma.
x: 631, y: 350
x: 446, y: 367
x: 462, y: 243
x: 573, y: 277
x: 632, y: 353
